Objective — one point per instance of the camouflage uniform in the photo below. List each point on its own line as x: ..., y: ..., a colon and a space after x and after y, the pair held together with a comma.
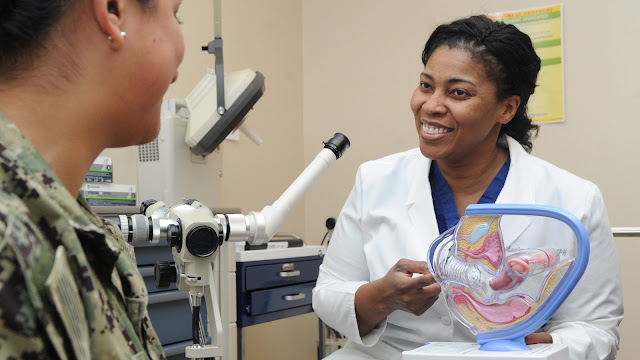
x: 69, y: 286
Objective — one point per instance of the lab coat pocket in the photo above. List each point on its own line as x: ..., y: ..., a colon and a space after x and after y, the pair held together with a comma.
x: 64, y: 294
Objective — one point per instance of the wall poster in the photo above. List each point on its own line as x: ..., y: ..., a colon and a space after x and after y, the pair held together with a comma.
x: 544, y: 26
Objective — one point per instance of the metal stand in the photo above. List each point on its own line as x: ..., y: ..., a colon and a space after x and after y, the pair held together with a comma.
x: 329, y: 340
x: 321, y: 340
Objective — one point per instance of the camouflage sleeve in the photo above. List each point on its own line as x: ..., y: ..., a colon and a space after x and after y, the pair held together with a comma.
x: 22, y: 333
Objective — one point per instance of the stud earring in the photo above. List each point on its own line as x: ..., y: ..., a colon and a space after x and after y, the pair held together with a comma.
x: 122, y: 34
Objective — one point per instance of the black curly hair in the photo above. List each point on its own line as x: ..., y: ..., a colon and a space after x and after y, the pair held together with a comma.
x: 508, y: 58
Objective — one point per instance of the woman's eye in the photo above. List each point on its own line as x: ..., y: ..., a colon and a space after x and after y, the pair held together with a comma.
x: 425, y: 85
x: 178, y: 19
x: 459, y: 92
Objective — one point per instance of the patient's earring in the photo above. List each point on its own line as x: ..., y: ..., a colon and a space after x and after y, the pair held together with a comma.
x: 122, y: 33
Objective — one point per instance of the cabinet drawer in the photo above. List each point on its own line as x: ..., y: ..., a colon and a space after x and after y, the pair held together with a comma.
x: 265, y: 301
x: 148, y: 254
x: 281, y: 274
x: 170, y: 315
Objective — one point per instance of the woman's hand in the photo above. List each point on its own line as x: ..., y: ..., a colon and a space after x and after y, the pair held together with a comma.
x: 538, y: 338
x: 408, y: 286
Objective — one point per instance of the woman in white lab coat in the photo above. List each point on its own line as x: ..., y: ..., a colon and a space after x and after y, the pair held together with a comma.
x: 474, y: 138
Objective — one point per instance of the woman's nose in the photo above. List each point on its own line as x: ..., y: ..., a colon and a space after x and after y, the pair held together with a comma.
x: 434, y: 103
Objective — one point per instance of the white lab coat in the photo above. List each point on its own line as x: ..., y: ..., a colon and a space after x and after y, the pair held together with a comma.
x: 389, y: 215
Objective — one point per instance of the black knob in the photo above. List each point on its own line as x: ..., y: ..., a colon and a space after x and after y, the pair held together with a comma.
x: 145, y: 205
x: 165, y: 274
x: 330, y: 223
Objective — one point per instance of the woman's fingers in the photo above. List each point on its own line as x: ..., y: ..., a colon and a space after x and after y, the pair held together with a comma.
x: 411, y: 267
x: 538, y: 338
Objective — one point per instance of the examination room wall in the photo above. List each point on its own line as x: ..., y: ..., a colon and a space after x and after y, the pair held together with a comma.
x: 362, y: 62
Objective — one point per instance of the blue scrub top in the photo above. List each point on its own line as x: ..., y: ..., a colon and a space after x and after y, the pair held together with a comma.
x: 443, y: 203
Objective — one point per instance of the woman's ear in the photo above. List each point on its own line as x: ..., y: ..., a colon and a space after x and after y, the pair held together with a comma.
x: 510, y: 106
x: 108, y: 14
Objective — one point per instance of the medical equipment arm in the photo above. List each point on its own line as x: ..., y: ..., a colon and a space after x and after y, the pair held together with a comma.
x: 194, y: 234
x: 259, y: 227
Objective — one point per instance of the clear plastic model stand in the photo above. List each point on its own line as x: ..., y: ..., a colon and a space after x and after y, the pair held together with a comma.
x: 504, y: 271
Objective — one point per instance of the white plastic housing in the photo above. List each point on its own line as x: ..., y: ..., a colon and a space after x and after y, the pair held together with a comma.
x: 169, y: 172
x: 203, y: 101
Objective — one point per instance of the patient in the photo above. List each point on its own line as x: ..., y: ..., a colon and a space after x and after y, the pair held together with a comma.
x: 76, y: 77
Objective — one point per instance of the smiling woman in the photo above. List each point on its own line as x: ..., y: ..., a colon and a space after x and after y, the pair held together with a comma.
x: 474, y: 142
x: 76, y: 77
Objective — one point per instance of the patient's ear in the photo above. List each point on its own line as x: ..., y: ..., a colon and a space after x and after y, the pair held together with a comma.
x: 108, y: 14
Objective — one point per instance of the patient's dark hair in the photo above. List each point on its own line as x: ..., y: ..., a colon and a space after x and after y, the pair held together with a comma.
x: 508, y: 58
x: 25, y: 26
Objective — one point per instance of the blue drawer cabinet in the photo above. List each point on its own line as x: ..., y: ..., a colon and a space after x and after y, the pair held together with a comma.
x: 168, y: 309
x: 282, y: 298
x: 281, y: 272
x: 269, y: 290
x: 170, y: 315
x: 147, y: 254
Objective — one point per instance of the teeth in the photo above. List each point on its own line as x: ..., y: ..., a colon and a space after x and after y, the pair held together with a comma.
x: 434, y: 130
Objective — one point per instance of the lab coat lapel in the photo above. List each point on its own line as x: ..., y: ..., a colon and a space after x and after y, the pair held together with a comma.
x: 517, y: 189
x: 420, y: 203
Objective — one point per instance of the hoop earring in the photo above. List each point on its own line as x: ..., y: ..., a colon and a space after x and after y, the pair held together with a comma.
x: 122, y: 34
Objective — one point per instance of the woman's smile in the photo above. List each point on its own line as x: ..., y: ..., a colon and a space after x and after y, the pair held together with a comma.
x: 432, y: 131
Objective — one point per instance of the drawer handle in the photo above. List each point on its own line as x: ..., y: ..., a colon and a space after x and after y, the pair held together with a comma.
x: 295, y: 297
x: 285, y: 274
